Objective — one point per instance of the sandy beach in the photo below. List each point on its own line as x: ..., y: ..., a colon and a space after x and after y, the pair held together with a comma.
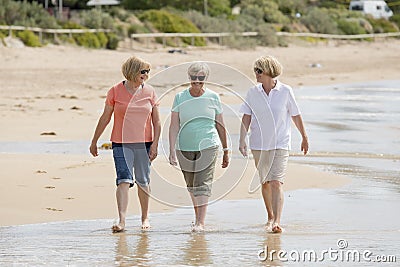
x: 56, y: 94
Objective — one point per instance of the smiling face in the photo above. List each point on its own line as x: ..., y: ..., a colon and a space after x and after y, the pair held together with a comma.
x: 198, y: 73
x: 197, y: 80
x: 261, y: 76
x: 143, y: 74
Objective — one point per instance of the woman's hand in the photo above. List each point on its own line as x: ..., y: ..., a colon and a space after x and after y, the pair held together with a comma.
x: 172, y: 159
x: 225, y: 159
x: 243, y: 148
x: 93, y: 149
x: 304, y: 145
x: 153, y: 151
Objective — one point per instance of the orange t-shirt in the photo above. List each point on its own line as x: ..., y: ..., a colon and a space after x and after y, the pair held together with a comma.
x: 132, y: 113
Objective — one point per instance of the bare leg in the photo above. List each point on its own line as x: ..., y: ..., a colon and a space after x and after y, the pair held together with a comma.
x: 143, y: 194
x: 267, y: 196
x: 277, y: 204
x: 122, y: 202
x: 202, y: 204
x: 196, y: 213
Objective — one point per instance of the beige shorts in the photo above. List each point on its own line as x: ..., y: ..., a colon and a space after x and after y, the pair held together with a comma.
x: 198, y: 169
x: 271, y: 164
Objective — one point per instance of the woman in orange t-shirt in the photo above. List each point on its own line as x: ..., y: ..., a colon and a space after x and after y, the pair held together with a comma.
x: 134, y: 136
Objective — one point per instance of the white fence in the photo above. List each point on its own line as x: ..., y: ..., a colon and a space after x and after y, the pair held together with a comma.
x: 218, y: 35
x: 221, y: 35
x: 40, y: 31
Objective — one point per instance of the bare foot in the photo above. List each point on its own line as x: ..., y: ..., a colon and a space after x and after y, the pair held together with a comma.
x: 197, y: 228
x: 117, y: 228
x: 145, y: 224
x: 277, y: 228
x: 268, y: 226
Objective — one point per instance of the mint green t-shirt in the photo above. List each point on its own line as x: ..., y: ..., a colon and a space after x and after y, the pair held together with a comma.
x: 197, y: 120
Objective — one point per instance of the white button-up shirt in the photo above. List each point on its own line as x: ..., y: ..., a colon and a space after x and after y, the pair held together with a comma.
x: 270, y: 126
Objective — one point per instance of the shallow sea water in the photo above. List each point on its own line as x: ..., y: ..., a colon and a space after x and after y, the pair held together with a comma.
x: 314, y: 220
x: 354, y: 130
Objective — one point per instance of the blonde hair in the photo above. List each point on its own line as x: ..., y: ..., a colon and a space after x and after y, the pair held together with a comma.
x: 132, y: 67
x: 197, y: 67
x: 269, y: 65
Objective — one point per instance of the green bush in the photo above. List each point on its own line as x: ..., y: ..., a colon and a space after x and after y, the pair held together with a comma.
x: 212, y: 24
x: 87, y: 39
x: 137, y: 28
x: 112, y: 41
x: 267, y: 35
x: 319, y: 21
x: 26, y: 14
x: 66, y: 39
x: 382, y: 25
x: 272, y: 14
x: 71, y: 25
x: 103, y: 40
x: 118, y: 12
x: 167, y: 22
x: 29, y: 38
x: 350, y: 26
x: 396, y: 19
x: 214, y: 7
x: 96, y: 19
x: 291, y: 7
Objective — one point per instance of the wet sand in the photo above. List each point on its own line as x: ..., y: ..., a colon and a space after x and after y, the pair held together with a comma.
x: 57, y: 202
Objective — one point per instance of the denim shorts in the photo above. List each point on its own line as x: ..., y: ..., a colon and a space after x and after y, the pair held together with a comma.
x: 129, y: 159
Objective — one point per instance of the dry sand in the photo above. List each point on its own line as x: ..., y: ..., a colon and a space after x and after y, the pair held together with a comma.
x: 60, y: 90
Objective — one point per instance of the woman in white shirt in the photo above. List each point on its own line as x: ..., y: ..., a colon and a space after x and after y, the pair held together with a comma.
x: 268, y: 110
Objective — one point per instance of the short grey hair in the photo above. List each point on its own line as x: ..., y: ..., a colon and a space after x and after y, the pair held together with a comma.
x: 197, y: 67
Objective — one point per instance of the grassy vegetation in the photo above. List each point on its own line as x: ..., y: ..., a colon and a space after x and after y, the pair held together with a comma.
x: 263, y: 16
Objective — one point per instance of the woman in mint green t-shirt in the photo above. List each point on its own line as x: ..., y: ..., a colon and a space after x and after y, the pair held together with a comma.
x: 196, y: 129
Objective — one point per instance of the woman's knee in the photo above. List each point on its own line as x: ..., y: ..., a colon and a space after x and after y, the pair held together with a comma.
x: 275, y: 184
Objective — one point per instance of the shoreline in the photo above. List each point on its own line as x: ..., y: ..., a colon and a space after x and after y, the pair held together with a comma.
x: 63, y: 187
x: 61, y: 90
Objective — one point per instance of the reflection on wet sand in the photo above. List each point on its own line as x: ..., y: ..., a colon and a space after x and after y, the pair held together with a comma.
x: 269, y: 255
x: 130, y: 254
x: 196, y: 251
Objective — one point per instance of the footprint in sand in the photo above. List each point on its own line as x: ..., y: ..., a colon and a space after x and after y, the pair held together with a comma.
x: 48, y: 133
x: 49, y: 187
x: 53, y: 209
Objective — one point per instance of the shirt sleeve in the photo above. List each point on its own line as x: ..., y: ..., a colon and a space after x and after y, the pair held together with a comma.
x: 175, y: 105
x: 245, y: 107
x: 110, y: 99
x: 154, y: 100
x: 218, y: 106
x: 292, y: 104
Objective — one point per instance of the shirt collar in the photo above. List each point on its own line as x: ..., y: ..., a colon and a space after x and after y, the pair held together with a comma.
x: 277, y: 86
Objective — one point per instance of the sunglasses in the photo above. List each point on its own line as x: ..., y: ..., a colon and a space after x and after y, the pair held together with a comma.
x: 200, y: 78
x: 145, y: 71
x: 258, y: 70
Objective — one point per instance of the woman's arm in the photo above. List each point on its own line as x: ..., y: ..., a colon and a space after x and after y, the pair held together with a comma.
x: 101, y: 125
x: 246, y: 119
x: 155, y: 118
x: 173, y: 133
x: 298, y: 121
x: 219, y: 124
